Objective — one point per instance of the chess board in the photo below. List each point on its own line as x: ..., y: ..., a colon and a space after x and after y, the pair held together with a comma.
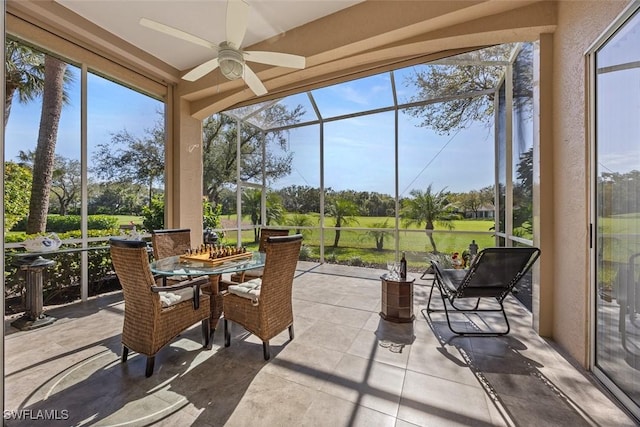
x: 204, y: 257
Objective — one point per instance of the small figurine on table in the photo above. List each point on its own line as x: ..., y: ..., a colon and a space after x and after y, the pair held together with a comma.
x: 457, y: 261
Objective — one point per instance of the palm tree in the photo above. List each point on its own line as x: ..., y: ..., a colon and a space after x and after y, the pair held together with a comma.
x: 43, y: 165
x: 275, y: 209
x: 379, y: 235
x: 251, y: 205
x: 430, y: 208
x: 24, y: 74
x: 30, y: 74
x: 344, y: 211
x: 300, y: 220
x: 251, y: 201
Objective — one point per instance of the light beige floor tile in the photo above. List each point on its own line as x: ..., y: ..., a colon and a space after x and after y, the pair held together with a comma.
x: 385, y: 348
x: 330, y: 411
x: 366, y: 382
x: 271, y: 401
x: 428, y: 400
x: 336, y: 372
x: 329, y: 335
x: 304, y: 364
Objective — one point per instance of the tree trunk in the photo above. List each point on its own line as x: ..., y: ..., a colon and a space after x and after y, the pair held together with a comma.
x: 43, y: 164
x: 336, y: 239
x: 10, y: 89
x: 429, y: 230
x: 380, y: 243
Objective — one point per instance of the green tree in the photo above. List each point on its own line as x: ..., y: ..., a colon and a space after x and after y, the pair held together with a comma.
x: 470, y: 202
x: 65, y: 184
x: 429, y: 208
x: 154, y: 213
x: 116, y: 198
x: 17, y: 185
x: 300, y: 198
x: 523, y: 190
x: 449, y: 79
x: 344, y: 211
x: 131, y: 159
x: 219, y: 149
x: 210, y: 214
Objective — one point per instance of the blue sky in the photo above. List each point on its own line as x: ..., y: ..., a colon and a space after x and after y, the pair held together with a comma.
x: 359, y: 152
x: 111, y: 108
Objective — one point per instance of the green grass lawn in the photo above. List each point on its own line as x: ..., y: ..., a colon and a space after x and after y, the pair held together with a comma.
x: 127, y: 219
x: 358, y: 247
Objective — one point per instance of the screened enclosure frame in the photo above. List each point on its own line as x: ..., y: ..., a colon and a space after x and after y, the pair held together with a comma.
x: 250, y: 116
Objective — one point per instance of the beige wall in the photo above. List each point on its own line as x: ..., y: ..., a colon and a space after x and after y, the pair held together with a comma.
x: 184, y: 172
x: 579, y: 25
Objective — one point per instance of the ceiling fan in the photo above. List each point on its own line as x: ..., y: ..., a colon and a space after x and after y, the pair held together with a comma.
x: 230, y: 57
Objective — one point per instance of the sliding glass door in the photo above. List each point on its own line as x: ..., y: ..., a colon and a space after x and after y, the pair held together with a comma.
x: 617, y: 211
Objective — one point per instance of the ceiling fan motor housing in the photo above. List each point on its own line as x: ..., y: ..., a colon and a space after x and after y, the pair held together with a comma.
x: 231, y: 61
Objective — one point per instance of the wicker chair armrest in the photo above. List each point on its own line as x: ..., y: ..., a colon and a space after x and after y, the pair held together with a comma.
x: 196, y: 284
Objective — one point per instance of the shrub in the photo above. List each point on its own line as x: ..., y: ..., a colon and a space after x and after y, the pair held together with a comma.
x: 210, y: 214
x: 154, y: 214
x: 15, y: 237
x: 305, y: 253
x: 63, y: 224
x: 356, y: 261
x: 17, y: 185
x: 102, y: 222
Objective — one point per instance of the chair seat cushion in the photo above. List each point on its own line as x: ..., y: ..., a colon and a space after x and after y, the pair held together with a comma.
x: 167, y: 299
x: 249, y: 290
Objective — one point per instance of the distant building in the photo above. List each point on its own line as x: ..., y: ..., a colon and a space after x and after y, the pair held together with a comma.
x: 483, y: 212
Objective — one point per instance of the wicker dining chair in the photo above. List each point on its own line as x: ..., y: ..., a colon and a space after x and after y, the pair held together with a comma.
x: 170, y: 242
x: 265, y: 233
x: 176, y: 241
x: 264, y: 306
x: 154, y: 315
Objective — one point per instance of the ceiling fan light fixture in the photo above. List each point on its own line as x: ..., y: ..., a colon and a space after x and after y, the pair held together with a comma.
x: 231, y: 62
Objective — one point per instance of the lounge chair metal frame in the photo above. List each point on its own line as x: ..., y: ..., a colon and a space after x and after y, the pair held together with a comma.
x: 493, y: 274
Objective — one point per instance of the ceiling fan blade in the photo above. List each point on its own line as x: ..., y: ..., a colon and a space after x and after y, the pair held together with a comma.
x: 275, y: 58
x: 176, y: 33
x: 237, y: 19
x: 201, y: 70
x: 253, y: 81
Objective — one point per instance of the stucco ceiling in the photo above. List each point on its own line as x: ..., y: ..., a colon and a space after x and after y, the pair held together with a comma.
x: 340, y: 39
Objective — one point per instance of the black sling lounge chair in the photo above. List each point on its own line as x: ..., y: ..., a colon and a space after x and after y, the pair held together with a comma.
x: 492, y: 274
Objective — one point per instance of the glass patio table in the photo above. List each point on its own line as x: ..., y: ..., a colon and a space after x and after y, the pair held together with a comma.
x: 175, y: 266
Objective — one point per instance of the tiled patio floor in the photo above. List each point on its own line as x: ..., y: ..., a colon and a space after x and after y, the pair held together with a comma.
x: 345, y: 367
